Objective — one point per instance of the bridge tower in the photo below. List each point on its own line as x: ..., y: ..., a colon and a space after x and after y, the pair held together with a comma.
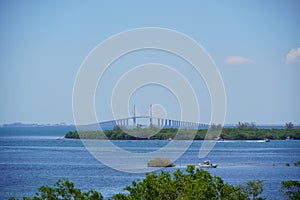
x: 134, y: 117
x: 150, y: 114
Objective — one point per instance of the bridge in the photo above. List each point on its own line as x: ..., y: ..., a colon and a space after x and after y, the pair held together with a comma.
x: 133, y: 122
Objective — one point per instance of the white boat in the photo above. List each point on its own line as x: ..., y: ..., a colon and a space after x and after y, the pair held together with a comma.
x: 264, y: 140
x: 207, y: 164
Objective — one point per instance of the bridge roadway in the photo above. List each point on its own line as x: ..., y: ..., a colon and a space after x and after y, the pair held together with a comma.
x: 131, y: 122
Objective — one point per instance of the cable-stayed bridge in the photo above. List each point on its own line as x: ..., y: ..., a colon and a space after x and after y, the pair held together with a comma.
x: 145, y: 121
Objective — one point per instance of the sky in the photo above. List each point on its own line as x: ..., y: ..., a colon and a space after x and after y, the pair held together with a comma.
x: 254, y: 44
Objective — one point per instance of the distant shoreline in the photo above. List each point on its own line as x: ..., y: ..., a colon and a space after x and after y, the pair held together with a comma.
x: 186, y: 134
x: 62, y: 124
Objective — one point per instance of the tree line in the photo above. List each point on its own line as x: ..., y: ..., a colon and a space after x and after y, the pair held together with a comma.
x: 238, y: 133
x: 193, y: 184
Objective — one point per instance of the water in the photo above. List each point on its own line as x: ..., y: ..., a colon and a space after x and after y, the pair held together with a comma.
x: 31, y: 158
x: 39, y: 131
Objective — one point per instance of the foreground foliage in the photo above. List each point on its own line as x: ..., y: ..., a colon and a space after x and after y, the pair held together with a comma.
x: 65, y: 190
x: 253, y: 188
x: 291, y: 189
x: 195, y: 184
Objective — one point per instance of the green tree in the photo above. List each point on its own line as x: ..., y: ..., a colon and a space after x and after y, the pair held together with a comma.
x: 194, y: 184
x: 291, y: 189
x: 254, y: 188
x: 64, y: 190
x: 289, y: 125
x: 246, y: 125
x: 72, y: 134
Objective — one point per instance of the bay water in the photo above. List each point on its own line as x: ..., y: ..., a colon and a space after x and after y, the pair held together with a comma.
x: 32, y: 157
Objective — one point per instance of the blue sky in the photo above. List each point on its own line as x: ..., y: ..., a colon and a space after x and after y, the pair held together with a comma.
x: 255, y: 45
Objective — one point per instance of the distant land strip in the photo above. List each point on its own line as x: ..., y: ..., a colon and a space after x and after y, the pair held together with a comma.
x: 188, y: 134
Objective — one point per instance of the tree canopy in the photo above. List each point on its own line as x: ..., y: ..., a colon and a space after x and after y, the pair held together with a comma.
x: 244, y: 133
x: 194, y: 184
x: 64, y: 190
x: 291, y: 189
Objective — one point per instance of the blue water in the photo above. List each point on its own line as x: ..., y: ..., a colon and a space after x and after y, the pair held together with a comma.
x: 31, y: 158
x: 40, y: 131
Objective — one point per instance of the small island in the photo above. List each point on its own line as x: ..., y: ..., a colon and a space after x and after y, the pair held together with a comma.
x: 160, y: 162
